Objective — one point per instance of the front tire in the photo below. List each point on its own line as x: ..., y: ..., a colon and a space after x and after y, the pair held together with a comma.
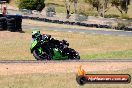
x: 73, y: 55
x: 45, y: 56
x: 35, y: 54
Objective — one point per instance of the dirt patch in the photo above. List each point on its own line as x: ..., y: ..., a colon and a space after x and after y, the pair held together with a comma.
x: 62, y: 67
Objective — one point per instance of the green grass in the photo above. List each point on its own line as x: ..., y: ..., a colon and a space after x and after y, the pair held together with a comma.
x: 16, y: 46
x: 107, y: 55
x: 56, y: 80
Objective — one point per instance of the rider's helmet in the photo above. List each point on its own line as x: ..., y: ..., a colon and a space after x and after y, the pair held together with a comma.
x: 46, y: 37
x: 65, y: 42
x: 36, y: 34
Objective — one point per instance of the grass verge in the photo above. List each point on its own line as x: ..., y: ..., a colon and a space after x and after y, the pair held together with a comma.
x: 16, y: 46
x: 113, y: 54
x: 66, y: 80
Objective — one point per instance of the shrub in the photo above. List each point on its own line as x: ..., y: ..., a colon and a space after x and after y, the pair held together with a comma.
x: 50, y: 11
x: 111, y: 16
x: 121, y: 25
x: 124, y: 16
x: 50, y: 8
x: 80, y: 17
x: 91, y: 14
x: 32, y: 4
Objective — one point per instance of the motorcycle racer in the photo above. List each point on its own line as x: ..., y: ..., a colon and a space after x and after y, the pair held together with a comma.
x: 44, y: 47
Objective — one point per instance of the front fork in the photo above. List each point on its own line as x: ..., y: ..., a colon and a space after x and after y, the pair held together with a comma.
x: 40, y: 51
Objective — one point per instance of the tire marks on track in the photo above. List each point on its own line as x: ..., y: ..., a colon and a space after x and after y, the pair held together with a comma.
x: 63, y: 61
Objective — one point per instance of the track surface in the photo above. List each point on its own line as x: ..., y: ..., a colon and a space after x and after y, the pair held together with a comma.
x: 51, y: 67
x: 61, y: 61
x: 92, y: 31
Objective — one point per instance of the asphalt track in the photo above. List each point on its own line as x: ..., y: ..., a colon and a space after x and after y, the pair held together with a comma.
x: 119, y: 33
x: 91, y: 31
x: 63, y: 61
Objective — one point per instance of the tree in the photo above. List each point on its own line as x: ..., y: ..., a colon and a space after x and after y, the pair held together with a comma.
x: 121, y: 5
x: 68, y: 4
x: 100, y: 5
x: 32, y: 4
x: 75, y: 5
x: 8, y: 1
x: 40, y: 5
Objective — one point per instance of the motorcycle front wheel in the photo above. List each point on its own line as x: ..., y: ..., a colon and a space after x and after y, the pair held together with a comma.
x: 74, y: 55
x: 44, y: 56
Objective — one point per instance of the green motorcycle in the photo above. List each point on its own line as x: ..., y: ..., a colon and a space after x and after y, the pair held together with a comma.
x: 43, y: 47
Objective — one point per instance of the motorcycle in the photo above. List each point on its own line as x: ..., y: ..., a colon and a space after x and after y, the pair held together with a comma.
x: 44, y: 47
